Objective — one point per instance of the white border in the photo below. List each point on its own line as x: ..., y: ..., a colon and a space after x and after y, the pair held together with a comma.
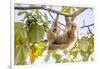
x: 12, y: 35
x: 45, y: 2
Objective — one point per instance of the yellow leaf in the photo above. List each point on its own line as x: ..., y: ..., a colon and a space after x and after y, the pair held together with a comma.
x: 32, y: 54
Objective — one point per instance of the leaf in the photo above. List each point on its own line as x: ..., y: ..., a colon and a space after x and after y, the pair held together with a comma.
x: 18, y: 25
x: 20, y: 56
x: 84, y: 54
x: 84, y: 43
x: 35, y: 51
x: 91, y: 44
x: 65, y: 60
x: 53, y: 54
x: 57, y: 57
x: 21, y: 44
x: 46, y: 18
x: 47, y: 58
x: 68, y: 9
x: 40, y: 48
x: 74, y: 53
x: 33, y: 54
x: 35, y: 33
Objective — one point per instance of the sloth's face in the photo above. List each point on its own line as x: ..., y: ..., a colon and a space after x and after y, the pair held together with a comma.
x: 54, y: 29
x: 71, y: 26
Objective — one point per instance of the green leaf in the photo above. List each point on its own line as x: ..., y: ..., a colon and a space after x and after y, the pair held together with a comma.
x: 53, y: 54
x: 21, y: 44
x: 74, y: 53
x: 58, y: 58
x: 83, y: 53
x: 68, y: 9
x: 91, y: 44
x: 20, y: 55
x: 35, y: 33
x: 65, y: 60
x: 18, y: 25
x: 46, y: 17
x: 84, y: 43
x: 47, y: 57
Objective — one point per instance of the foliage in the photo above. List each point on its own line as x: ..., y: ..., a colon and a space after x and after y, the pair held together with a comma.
x: 29, y: 37
x: 21, y: 43
x: 68, y: 9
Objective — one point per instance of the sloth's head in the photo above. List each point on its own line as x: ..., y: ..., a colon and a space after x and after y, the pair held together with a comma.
x: 71, y: 26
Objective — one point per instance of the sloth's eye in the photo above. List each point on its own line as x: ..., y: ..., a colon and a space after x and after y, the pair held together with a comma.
x: 54, y: 29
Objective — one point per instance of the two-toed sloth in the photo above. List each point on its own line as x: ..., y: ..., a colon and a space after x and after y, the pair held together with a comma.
x: 66, y: 40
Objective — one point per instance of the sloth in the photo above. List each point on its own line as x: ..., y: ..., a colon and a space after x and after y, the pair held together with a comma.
x: 66, y: 40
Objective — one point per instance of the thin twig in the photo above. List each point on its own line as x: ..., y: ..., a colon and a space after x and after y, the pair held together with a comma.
x: 53, y: 18
x: 87, y: 26
x: 83, y: 22
x: 61, y: 29
x: 51, y: 15
x: 61, y: 24
x: 89, y: 30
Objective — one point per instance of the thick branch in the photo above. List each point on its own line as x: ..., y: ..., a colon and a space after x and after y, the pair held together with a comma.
x: 52, y: 10
x: 42, y: 8
x: 78, y: 12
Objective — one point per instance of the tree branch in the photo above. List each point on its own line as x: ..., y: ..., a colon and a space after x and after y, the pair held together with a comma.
x: 87, y: 26
x: 89, y: 30
x: 54, y: 19
x: 76, y: 13
x: 52, y: 10
x: 51, y: 15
